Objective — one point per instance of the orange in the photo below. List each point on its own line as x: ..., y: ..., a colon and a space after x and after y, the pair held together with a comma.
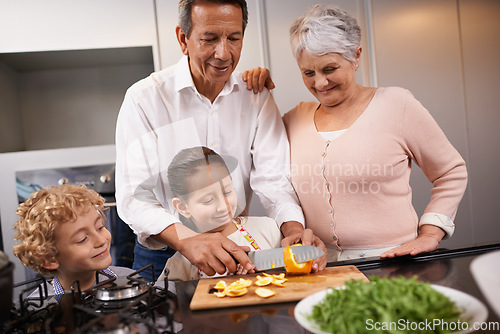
x: 220, y: 294
x: 291, y: 265
x: 235, y: 292
x: 264, y: 293
x: 278, y: 282
x: 263, y: 281
x: 221, y: 285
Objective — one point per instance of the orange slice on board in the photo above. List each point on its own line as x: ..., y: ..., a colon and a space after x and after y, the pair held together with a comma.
x: 235, y: 292
x: 278, y: 282
x: 264, y: 292
x: 221, y: 285
x: 220, y: 294
x: 263, y: 281
x: 291, y: 264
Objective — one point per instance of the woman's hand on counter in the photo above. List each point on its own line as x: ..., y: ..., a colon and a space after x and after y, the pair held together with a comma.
x: 297, y: 234
x: 427, y: 241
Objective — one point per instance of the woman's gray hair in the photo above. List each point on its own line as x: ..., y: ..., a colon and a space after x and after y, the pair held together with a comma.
x: 325, y: 29
x: 185, y: 8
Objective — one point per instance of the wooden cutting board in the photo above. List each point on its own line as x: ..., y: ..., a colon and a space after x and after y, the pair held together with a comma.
x: 296, y: 288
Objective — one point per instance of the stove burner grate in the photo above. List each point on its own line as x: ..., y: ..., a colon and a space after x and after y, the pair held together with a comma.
x: 143, y: 308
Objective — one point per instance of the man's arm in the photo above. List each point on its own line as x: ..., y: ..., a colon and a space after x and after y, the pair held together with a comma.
x: 143, y: 203
x: 209, y: 252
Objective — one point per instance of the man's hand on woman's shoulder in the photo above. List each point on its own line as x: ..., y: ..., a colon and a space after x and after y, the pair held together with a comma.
x: 258, y: 78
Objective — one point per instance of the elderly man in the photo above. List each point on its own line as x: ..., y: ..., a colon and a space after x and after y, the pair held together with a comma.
x: 200, y: 101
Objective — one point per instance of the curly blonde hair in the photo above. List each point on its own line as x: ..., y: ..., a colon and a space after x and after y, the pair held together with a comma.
x: 39, y: 216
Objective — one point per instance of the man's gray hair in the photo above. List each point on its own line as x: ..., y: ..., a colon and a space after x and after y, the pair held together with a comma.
x: 185, y: 8
x: 325, y: 29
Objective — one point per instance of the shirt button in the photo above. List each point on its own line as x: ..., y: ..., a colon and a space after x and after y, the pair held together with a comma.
x: 330, y: 210
x: 332, y: 224
x: 335, y: 238
x: 321, y: 167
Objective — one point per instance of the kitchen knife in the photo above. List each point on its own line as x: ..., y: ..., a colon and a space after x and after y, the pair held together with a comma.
x: 273, y: 258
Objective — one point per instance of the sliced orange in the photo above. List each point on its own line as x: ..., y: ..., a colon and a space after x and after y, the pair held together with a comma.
x: 241, y: 283
x: 264, y: 292
x: 278, y: 282
x: 291, y: 264
x: 221, y: 285
x: 280, y: 276
x: 220, y: 294
x: 263, y: 281
x: 235, y: 292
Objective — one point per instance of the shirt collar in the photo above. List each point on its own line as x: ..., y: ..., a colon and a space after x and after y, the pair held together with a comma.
x: 183, y: 79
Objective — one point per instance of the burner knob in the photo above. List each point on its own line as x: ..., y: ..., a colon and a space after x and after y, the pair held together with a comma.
x: 105, y: 178
x: 63, y: 181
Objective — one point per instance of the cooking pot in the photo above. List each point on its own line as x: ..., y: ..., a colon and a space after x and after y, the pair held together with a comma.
x: 6, y: 286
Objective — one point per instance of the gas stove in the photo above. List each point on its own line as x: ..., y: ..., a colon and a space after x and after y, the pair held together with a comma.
x: 128, y: 304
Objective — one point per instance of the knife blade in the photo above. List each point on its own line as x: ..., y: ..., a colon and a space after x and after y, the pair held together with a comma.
x: 273, y: 258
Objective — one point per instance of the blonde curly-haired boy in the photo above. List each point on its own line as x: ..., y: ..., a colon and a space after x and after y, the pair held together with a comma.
x: 62, y: 233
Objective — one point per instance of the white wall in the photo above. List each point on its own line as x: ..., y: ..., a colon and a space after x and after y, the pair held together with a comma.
x: 480, y: 31
x: 11, y: 138
x: 430, y: 66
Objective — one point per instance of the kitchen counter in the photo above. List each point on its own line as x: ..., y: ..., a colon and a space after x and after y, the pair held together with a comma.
x: 443, y: 267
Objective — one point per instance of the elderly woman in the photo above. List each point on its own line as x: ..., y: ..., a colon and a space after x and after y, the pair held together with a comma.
x: 352, y: 151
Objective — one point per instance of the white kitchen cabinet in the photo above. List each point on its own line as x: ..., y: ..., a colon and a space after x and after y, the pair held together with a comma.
x: 33, y: 25
x: 65, y: 66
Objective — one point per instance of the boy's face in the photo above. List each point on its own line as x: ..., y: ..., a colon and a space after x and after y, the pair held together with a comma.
x: 83, y: 245
x: 212, y: 207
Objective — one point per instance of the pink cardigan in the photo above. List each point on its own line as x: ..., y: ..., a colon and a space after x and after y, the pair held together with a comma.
x: 355, y: 190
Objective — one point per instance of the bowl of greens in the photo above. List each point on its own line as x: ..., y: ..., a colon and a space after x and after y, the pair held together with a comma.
x: 390, y: 305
